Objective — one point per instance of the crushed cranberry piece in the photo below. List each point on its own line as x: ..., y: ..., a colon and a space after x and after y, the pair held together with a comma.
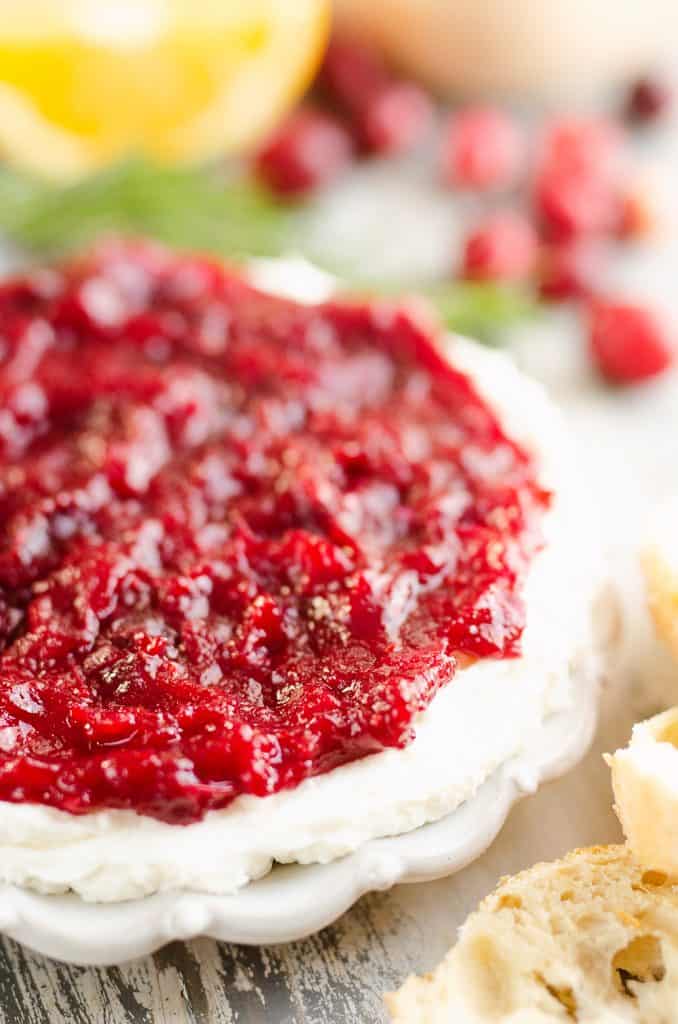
x: 482, y: 149
x: 309, y: 150
x: 628, y: 343
x: 503, y: 248
x: 648, y: 99
x: 242, y: 540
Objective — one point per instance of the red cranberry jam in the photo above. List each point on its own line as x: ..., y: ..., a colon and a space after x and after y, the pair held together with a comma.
x: 242, y: 540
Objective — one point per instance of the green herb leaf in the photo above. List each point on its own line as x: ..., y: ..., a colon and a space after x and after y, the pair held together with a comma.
x: 202, y: 209
x: 181, y: 206
x: 482, y: 310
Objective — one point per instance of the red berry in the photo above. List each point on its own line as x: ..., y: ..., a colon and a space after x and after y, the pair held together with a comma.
x: 578, y: 179
x: 570, y: 270
x: 309, y: 150
x: 575, y: 202
x: 351, y: 74
x: 503, y: 248
x: 648, y: 99
x: 387, y: 115
x: 483, y: 149
x: 395, y: 118
x: 583, y: 142
x: 628, y: 343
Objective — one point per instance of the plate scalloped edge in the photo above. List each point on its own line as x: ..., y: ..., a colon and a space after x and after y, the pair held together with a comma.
x: 295, y: 900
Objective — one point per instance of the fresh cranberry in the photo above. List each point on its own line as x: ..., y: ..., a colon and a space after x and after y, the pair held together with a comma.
x: 308, y: 151
x: 482, y: 148
x: 394, y: 119
x: 628, y: 343
x: 351, y: 74
x: 387, y: 115
x: 648, y: 99
x: 503, y: 248
x: 579, y: 179
x: 582, y: 142
x: 571, y: 270
x: 573, y: 203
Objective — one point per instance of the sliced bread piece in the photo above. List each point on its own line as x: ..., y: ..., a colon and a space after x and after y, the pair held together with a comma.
x: 592, y: 938
x: 645, y: 783
x: 660, y: 566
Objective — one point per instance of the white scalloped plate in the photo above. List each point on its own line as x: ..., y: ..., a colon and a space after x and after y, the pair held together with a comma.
x: 294, y: 900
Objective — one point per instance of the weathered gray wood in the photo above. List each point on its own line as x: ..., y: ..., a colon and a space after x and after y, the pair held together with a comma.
x: 336, y: 976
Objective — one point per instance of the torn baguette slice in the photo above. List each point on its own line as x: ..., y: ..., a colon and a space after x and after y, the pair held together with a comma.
x: 592, y: 938
x: 645, y: 783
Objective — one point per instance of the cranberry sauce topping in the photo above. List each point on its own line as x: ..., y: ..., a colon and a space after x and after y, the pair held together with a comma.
x: 242, y: 541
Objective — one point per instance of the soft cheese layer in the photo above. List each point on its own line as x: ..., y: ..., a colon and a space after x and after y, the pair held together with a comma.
x: 486, y: 715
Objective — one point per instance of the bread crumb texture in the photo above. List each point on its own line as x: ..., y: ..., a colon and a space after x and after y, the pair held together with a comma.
x: 592, y: 938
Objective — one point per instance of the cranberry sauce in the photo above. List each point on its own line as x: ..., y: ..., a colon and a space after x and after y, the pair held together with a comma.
x: 242, y: 540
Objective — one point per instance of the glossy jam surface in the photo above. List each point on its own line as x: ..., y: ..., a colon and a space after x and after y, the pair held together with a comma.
x: 242, y: 541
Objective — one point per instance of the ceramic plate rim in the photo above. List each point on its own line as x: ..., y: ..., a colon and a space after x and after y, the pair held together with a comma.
x: 295, y: 900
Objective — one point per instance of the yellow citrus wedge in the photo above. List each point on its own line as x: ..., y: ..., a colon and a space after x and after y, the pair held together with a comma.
x: 83, y: 82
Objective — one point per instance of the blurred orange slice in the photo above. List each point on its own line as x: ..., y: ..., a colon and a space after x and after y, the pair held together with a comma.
x: 83, y: 82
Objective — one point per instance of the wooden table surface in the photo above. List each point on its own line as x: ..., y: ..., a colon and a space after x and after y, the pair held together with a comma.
x: 630, y: 442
